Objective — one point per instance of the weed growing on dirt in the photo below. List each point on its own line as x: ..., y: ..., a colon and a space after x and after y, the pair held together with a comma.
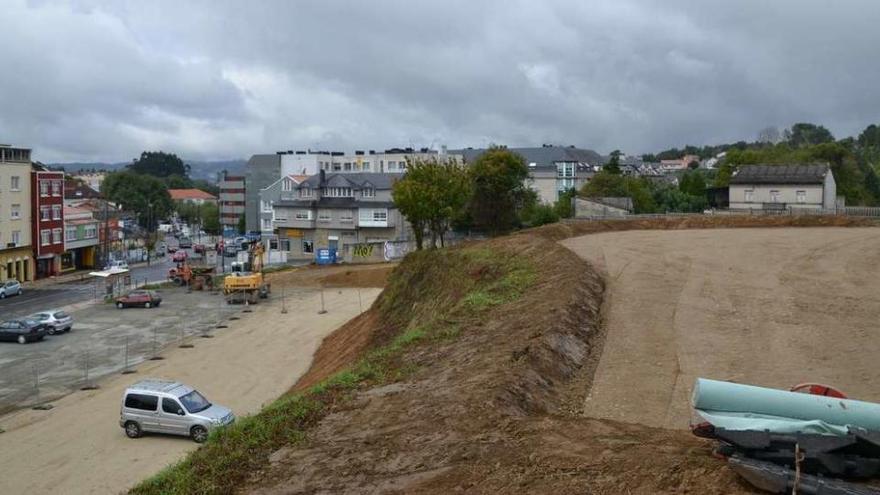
x: 429, y: 298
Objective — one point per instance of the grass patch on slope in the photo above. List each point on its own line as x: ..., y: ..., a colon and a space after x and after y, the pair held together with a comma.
x: 430, y: 297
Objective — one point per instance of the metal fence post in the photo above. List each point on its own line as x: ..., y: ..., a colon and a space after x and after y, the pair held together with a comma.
x: 126, y: 370
x: 87, y: 383
x: 322, y: 311
x: 155, y: 356
x: 183, y: 344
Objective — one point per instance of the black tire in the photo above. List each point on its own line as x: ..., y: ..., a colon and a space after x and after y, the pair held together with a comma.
x: 133, y: 430
x: 120, y: 305
x: 22, y: 339
x: 51, y: 331
x: 198, y: 433
x: 2, y: 295
x: 19, y: 291
x: 148, y: 305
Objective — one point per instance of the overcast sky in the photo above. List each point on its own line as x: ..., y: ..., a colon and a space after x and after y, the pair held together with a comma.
x: 103, y: 80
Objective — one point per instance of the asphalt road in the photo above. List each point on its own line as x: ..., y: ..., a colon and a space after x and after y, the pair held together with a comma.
x: 37, y: 299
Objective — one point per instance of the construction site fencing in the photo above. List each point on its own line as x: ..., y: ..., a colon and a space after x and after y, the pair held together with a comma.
x: 40, y: 379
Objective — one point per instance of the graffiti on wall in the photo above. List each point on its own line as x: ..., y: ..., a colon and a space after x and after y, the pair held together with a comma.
x: 362, y: 250
x: 396, y: 250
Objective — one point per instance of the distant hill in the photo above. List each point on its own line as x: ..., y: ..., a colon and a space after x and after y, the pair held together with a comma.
x: 205, y: 170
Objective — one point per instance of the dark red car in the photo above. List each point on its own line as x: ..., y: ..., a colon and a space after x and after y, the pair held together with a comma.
x: 142, y: 298
x: 199, y: 248
x: 178, y: 256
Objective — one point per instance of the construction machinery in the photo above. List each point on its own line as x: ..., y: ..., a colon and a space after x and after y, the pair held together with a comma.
x: 194, y: 276
x: 246, y: 284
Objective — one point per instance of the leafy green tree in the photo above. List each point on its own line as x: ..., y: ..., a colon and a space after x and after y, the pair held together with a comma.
x: 143, y: 195
x: 563, y: 205
x: 178, y: 182
x: 159, y: 164
x: 804, y: 134
x: 671, y: 199
x: 431, y: 196
x: 870, y: 137
x: 693, y: 182
x: 499, y: 191
x: 605, y: 185
x: 210, y: 215
x: 613, y: 165
x: 242, y: 225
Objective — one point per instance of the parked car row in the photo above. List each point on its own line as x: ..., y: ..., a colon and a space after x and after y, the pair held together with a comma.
x: 35, y: 327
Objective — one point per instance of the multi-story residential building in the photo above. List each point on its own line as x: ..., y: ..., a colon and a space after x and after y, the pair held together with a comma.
x: 81, y: 239
x: 232, y: 200
x: 331, y: 210
x: 16, y: 256
x: 75, y: 190
x: 782, y: 187
x: 264, y: 170
x: 47, y: 205
x: 553, y: 169
x: 193, y: 196
x: 282, y: 189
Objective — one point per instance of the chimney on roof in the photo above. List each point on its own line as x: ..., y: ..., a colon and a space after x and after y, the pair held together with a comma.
x: 323, y: 178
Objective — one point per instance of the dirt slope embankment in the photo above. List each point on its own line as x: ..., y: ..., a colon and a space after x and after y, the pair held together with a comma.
x: 494, y: 405
x: 467, y: 375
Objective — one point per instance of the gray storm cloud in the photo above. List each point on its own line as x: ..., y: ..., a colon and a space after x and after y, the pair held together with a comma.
x: 103, y: 80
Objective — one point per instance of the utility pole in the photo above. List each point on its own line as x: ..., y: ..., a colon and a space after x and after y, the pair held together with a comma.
x: 105, y: 253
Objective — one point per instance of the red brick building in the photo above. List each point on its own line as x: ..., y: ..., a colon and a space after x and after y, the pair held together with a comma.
x: 47, y: 202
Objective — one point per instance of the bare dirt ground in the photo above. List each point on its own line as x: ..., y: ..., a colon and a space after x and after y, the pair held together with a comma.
x: 78, y: 447
x: 500, y: 408
x: 773, y: 307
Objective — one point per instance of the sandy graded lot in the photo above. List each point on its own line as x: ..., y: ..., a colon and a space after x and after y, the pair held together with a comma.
x: 78, y: 447
x: 771, y: 307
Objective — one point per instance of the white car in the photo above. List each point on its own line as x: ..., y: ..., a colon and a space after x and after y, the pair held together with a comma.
x: 55, y: 321
x: 120, y: 265
x: 11, y: 287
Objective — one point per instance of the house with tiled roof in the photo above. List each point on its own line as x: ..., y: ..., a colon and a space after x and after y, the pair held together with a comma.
x: 194, y: 196
x: 782, y: 187
x: 280, y: 189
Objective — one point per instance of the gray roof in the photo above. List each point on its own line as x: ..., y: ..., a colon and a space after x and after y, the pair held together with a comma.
x: 780, y: 174
x: 542, y: 157
x: 624, y: 203
x: 356, y: 180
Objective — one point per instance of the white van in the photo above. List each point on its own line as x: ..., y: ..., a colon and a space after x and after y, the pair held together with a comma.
x: 162, y: 406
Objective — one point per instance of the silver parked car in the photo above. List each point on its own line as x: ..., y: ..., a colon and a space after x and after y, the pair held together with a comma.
x: 55, y: 321
x: 162, y: 406
x: 11, y: 287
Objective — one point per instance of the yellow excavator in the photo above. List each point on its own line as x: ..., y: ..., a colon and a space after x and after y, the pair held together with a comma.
x: 246, y: 284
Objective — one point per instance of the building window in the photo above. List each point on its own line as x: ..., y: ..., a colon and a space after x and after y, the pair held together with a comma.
x: 44, y: 237
x: 70, y: 233
x: 15, y: 183
x: 401, y: 165
x: 775, y: 196
x: 346, y: 216
x: 565, y: 170
x: 337, y: 166
x: 346, y: 166
x: 750, y: 195
x: 305, y: 192
x: 45, y: 213
x: 373, y: 215
x: 16, y: 237
x: 308, y: 246
x: 802, y: 197
x: 368, y: 193
x: 267, y: 224
x: 91, y: 231
x: 44, y: 188
x: 303, y: 214
x: 267, y: 206
x: 56, y: 188
x: 366, y: 167
x: 287, y: 185
x: 15, y: 211
x: 56, y: 212
x: 56, y: 236
x: 324, y: 216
